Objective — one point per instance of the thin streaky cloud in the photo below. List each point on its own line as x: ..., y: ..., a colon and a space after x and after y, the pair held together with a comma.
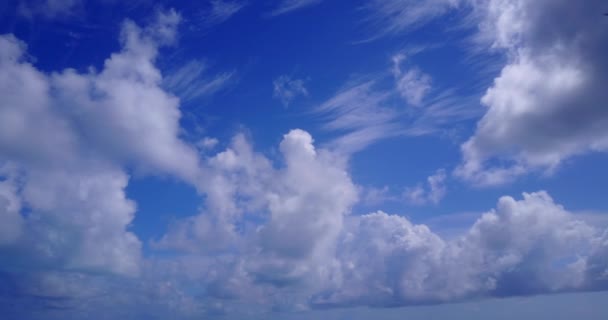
x: 191, y: 82
x: 288, y: 6
x: 222, y: 10
x: 360, y: 114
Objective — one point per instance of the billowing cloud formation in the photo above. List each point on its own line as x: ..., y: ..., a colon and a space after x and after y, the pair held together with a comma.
x: 549, y: 102
x: 63, y: 140
x: 302, y: 205
x: 307, y: 252
x: 524, y: 247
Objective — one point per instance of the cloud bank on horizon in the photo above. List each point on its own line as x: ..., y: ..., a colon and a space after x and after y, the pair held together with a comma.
x: 282, y: 231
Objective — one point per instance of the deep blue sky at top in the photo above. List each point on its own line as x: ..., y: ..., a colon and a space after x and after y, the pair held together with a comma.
x: 328, y: 46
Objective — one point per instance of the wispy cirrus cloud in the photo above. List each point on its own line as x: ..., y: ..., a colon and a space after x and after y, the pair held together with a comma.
x: 360, y: 115
x: 368, y: 111
x: 191, y: 81
x: 222, y: 10
x: 49, y: 8
x: 288, y: 6
x: 391, y: 17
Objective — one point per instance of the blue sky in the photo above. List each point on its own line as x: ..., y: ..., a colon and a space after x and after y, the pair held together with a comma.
x: 303, y: 159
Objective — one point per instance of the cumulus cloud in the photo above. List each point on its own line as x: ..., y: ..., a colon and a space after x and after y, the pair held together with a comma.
x: 302, y: 205
x: 548, y: 103
x: 281, y: 237
x: 64, y: 139
x: 286, y: 89
x: 522, y: 247
x: 306, y: 251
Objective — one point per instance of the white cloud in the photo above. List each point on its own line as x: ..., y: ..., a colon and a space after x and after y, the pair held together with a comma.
x: 433, y: 193
x: 299, y: 208
x: 288, y: 6
x: 413, y: 85
x: 131, y: 118
x: 286, y: 89
x: 308, y: 200
x: 548, y: 103
x: 522, y: 247
x: 361, y: 114
x: 79, y: 220
x: 306, y: 250
x: 222, y: 10
x: 364, y: 112
x: 207, y: 143
x: 303, y: 203
x: 190, y: 82
x: 65, y: 137
x: 373, y: 196
x: 390, y: 17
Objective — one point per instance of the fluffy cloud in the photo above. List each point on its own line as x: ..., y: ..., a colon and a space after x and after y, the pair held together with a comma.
x: 305, y: 251
x: 64, y: 139
x: 522, y: 247
x: 302, y: 204
x: 548, y: 103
